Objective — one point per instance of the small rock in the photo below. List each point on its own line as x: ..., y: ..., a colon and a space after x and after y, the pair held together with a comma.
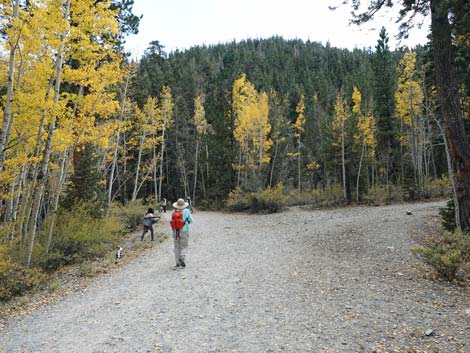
x: 467, y: 311
x: 409, y: 213
x: 429, y: 332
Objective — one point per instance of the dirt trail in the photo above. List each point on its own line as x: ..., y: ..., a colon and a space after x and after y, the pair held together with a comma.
x: 301, y: 281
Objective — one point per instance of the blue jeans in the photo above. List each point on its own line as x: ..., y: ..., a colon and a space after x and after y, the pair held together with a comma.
x: 146, y: 229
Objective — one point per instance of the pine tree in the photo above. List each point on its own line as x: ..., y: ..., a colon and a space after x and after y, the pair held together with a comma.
x: 384, y: 88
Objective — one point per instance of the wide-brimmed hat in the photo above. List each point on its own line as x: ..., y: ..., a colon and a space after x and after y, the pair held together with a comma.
x: 180, y: 204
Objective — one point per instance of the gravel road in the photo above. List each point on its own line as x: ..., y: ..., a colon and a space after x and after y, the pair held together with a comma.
x: 301, y: 281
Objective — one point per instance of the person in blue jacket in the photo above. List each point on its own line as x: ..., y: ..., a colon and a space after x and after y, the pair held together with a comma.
x: 181, y: 237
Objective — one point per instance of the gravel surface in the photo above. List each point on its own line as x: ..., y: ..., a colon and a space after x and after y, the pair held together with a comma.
x: 301, y: 281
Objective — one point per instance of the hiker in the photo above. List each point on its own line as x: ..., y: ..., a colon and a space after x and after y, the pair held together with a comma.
x: 149, y: 220
x: 164, y: 205
x: 188, y: 200
x: 180, y: 220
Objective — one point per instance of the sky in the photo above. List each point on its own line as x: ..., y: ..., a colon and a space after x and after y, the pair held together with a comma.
x: 181, y: 24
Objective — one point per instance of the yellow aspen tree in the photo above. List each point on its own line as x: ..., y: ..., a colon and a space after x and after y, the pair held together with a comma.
x: 339, y: 121
x: 41, y: 111
x: 252, y: 126
x: 298, y: 129
x: 56, y: 111
x: 33, y: 104
x: 40, y: 39
x: 166, y: 107
x: 125, y: 103
x: 154, y: 113
x: 200, y: 123
x: 13, y: 30
x: 365, y: 134
x: 147, y: 122
x: 408, y: 105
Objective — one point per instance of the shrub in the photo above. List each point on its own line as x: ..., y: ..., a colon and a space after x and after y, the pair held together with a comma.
x: 385, y: 194
x: 270, y: 200
x: 332, y: 196
x: 16, y: 279
x: 448, y: 216
x: 438, y: 188
x: 78, y: 236
x: 238, y: 200
x: 132, y: 216
x: 445, y: 260
x: 446, y: 253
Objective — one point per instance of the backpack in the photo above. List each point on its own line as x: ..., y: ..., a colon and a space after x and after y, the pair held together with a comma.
x: 177, y: 222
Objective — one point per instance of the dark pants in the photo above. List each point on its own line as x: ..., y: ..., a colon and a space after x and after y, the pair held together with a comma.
x: 146, y: 229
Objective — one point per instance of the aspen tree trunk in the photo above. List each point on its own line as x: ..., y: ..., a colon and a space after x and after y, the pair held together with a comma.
x: 195, y: 172
x: 239, y: 167
x: 182, y: 168
x: 155, y: 184
x: 359, y: 172
x: 160, y: 177
x: 111, y: 177
x: 401, y: 153
x: 343, y: 162
x: 116, y: 148
x: 143, y: 181
x: 47, y: 150
x: 284, y: 164
x: 325, y: 170
x: 55, y: 206
x: 137, y: 170
x: 22, y: 223
x: 9, y: 203
x: 7, y: 114
x: 450, y: 170
x: 203, y: 184
x: 22, y: 182
x: 273, y: 164
x: 298, y: 165
x: 207, y: 162
x: 124, y: 170
x: 260, y: 151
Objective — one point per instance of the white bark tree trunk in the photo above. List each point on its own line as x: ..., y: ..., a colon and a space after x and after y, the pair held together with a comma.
x: 7, y: 114
x: 47, y: 150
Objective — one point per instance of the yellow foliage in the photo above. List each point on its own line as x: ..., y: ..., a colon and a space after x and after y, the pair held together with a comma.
x: 312, y: 166
x: 356, y: 98
x: 298, y: 126
x: 340, y: 117
x: 366, y: 127
x: 409, y: 95
x: 199, y: 116
x: 84, y: 113
x: 166, y: 106
x: 252, y: 125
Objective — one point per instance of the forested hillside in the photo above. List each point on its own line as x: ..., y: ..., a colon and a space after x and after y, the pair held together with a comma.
x: 387, y: 130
